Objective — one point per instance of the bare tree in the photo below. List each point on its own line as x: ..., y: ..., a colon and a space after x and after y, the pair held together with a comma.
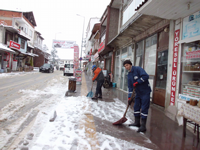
x: 54, y: 57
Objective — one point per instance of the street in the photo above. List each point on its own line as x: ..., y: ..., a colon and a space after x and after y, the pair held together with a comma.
x: 32, y: 98
x: 20, y: 99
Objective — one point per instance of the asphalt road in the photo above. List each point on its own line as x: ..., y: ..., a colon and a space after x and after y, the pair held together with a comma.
x: 9, y: 86
x: 9, y: 91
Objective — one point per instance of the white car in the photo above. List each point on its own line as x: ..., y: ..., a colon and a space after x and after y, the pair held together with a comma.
x: 68, y: 69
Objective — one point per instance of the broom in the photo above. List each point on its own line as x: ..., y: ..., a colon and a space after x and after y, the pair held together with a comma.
x: 124, y: 119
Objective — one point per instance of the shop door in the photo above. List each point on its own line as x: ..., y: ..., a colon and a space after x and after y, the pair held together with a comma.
x: 161, y: 78
x: 124, y: 78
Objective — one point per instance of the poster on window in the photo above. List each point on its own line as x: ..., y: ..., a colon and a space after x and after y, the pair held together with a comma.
x: 191, y: 26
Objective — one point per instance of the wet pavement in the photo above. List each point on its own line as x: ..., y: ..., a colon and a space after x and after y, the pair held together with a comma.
x: 164, y: 133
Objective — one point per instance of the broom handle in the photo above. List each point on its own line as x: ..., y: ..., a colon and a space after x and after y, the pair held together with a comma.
x: 92, y: 85
x: 128, y: 104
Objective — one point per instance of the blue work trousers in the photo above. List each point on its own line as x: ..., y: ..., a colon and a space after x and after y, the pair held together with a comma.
x: 141, y: 105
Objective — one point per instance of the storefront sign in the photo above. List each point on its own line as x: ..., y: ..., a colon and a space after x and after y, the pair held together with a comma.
x: 63, y: 44
x: 78, y: 74
x: 101, y: 46
x: 191, y: 25
x: 174, y: 67
x: 14, y: 45
x: 193, y: 54
x: 96, y: 55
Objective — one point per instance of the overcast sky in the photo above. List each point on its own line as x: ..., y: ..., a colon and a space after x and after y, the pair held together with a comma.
x: 57, y: 18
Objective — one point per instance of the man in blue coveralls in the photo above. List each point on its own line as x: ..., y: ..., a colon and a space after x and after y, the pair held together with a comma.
x: 138, y: 78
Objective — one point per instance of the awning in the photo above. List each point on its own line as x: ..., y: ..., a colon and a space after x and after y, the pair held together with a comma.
x: 30, y: 45
x: 33, y: 55
x: 5, y: 48
x: 139, y: 24
x: 29, y: 54
x: 189, y: 40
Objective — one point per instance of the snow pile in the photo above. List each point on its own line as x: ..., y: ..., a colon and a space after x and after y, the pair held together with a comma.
x: 70, y: 130
x: 3, y: 75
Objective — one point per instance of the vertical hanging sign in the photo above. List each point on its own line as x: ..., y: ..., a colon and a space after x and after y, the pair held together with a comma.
x: 77, y: 71
x: 76, y: 58
x: 174, y: 67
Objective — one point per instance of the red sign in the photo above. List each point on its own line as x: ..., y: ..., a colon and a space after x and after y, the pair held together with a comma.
x: 174, y: 67
x: 14, y: 45
x: 76, y: 58
x: 78, y: 74
x: 193, y: 54
x: 101, y: 47
x: 91, y: 52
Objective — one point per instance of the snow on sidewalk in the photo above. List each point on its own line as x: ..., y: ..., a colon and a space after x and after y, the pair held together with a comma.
x: 69, y: 130
x: 66, y: 131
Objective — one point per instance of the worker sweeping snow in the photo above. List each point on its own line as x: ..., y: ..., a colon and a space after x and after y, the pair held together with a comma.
x: 99, y: 77
x: 137, y: 77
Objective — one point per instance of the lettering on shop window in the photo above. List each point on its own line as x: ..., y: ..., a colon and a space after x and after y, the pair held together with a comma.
x: 174, y: 67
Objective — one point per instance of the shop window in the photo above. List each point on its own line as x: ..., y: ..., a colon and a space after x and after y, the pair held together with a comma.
x: 118, y: 53
x: 9, y: 36
x: 161, y: 74
x: 108, y: 65
x: 117, y: 66
x: 124, y: 53
x: 22, y: 44
x: 30, y: 33
x: 139, y: 53
x: 190, y: 83
x: 150, y: 54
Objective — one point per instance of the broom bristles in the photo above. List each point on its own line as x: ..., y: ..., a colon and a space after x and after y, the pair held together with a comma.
x: 122, y: 120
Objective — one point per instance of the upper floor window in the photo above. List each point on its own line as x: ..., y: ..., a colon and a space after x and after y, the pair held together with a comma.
x: 30, y: 33
x: 130, y: 10
x: 22, y: 44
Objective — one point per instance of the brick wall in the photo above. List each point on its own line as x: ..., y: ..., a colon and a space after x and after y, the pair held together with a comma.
x: 38, y: 61
x: 7, y: 16
x: 113, y: 26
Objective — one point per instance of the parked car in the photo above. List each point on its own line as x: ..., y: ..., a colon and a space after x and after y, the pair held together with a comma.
x: 47, y: 68
x: 68, y: 69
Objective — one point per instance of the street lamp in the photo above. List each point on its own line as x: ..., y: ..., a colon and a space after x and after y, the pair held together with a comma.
x: 56, y: 34
x: 82, y: 35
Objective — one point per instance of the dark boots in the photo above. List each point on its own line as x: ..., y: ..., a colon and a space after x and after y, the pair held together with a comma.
x: 142, y: 128
x: 137, y: 122
x: 100, y: 96
x: 95, y: 97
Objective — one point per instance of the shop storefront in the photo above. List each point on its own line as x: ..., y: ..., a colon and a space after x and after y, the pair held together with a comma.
x: 189, y: 87
x: 6, y: 58
x: 120, y: 75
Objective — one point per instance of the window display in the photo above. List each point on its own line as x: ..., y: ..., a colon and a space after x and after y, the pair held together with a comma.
x: 150, y: 54
x: 139, y: 53
x: 191, y: 70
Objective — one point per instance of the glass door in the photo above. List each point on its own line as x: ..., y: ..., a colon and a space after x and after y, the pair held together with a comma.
x: 161, y: 78
x: 124, y: 78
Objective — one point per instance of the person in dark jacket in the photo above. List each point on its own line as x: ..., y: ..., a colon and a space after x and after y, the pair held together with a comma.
x: 99, y: 77
x: 138, y: 78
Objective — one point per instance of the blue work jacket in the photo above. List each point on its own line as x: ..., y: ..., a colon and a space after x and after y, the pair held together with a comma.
x: 137, y: 74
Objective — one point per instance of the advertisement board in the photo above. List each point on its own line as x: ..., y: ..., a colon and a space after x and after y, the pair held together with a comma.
x: 63, y: 44
x: 77, y: 71
x: 78, y: 75
x: 14, y: 45
x: 191, y: 26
